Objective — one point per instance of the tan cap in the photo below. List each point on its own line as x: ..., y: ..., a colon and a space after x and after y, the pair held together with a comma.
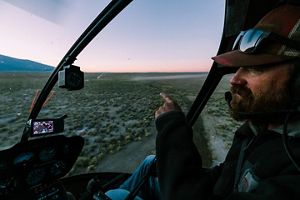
x: 284, y: 21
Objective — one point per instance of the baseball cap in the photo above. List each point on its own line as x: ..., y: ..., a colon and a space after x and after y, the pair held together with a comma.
x: 283, y: 21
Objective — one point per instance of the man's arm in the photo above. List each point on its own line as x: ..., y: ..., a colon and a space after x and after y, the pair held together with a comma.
x: 180, y: 169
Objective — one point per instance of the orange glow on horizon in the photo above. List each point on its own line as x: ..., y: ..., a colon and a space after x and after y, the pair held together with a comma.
x: 145, y: 68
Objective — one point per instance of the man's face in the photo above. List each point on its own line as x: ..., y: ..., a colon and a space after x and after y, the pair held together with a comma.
x: 259, y: 90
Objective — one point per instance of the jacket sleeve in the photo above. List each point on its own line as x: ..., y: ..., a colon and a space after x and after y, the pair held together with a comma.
x: 179, y: 164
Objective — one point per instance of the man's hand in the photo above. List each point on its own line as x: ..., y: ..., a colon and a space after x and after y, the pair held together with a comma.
x: 168, y: 105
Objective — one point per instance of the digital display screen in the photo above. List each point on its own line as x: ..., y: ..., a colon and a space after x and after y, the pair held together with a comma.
x: 43, y: 127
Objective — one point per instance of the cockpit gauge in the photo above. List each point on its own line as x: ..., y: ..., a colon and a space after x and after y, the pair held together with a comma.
x: 47, y: 154
x: 35, y: 176
x: 23, y: 158
x: 57, y: 168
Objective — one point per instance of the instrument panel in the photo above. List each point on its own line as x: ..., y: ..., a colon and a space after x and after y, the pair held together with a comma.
x: 29, y: 165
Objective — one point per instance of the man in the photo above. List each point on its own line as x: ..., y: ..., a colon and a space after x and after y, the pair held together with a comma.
x: 265, y: 94
x: 264, y: 89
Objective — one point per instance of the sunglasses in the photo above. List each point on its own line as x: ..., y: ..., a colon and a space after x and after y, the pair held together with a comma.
x: 251, y: 40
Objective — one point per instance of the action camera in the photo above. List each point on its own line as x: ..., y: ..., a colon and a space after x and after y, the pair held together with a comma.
x: 71, y: 78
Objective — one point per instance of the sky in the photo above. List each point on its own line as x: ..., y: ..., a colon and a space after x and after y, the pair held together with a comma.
x: 147, y: 36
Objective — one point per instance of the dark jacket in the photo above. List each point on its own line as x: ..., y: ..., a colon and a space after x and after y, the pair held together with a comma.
x: 256, y: 166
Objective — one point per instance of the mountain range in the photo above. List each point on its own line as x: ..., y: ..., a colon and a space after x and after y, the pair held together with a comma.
x: 10, y: 64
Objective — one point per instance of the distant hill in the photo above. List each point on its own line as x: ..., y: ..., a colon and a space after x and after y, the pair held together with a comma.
x: 10, y: 64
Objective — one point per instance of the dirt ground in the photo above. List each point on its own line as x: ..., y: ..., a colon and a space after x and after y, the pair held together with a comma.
x: 127, y: 159
x: 129, y: 156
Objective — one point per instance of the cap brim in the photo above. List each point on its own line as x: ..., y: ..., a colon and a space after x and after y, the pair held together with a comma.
x: 239, y: 59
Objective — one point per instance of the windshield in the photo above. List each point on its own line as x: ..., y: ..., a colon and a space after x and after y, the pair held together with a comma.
x: 150, y: 47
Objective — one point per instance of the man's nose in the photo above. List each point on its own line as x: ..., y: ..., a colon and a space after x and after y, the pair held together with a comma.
x: 238, y: 78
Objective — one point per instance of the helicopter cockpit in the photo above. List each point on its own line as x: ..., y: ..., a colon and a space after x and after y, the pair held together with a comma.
x: 90, y: 123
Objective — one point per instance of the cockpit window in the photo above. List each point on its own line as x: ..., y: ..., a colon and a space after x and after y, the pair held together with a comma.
x: 150, y: 47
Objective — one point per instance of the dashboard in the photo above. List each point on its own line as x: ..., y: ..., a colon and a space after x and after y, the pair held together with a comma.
x: 32, y: 169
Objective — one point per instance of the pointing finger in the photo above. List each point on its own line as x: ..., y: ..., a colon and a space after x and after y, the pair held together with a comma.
x: 166, y: 97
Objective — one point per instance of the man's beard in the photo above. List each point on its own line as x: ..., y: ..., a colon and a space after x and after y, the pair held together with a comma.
x: 262, y: 107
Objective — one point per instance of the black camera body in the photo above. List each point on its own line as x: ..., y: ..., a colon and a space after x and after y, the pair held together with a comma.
x: 71, y: 78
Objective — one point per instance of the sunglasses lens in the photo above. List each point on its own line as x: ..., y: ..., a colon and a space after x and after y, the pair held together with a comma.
x: 251, y: 40
x: 237, y: 41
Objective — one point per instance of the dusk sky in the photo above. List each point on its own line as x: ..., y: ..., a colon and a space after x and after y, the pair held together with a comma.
x: 148, y: 35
